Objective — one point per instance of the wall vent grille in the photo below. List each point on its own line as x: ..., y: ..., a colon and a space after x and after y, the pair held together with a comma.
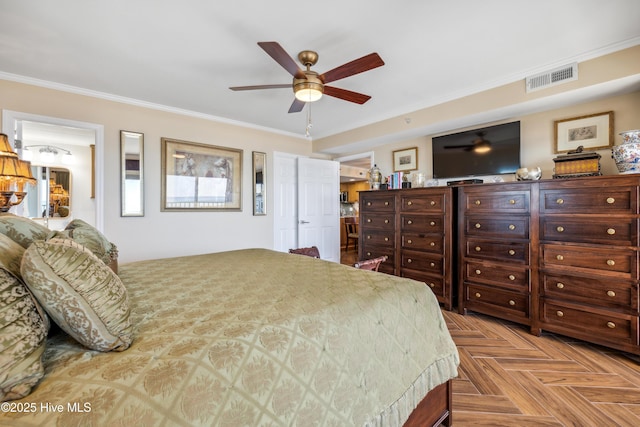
x: 553, y: 77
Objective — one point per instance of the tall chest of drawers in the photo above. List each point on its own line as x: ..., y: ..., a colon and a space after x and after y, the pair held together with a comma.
x: 589, y: 260
x: 414, y: 227
x: 495, y: 240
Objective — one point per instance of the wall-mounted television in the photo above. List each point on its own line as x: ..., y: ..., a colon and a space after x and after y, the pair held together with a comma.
x: 492, y: 150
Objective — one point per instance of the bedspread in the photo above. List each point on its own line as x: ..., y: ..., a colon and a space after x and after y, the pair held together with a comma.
x: 253, y: 338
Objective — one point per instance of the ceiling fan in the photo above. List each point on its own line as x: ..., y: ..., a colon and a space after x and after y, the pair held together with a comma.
x: 309, y: 86
x: 478, y: 145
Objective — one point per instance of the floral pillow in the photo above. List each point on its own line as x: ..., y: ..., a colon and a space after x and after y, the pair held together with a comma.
x: 89, y: 237
x: 80, y: 293
x: 22, y: 230
x: 23, y: 327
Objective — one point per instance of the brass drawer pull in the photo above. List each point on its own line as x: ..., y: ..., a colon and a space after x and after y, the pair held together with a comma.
x: 559, y: 313
x: 512, y: 252
x: 368, y: 237
x: 432, y: 285
x: 386, y: 239
x: 478, y: 225
x: 478, y: 272
x: 560, y: 257
x: 611, y: 294
x: 512, y: 302
x: 478, y: 295
x: 409, y: 241
x: 477, y: 202
x: 611, y: 200
x: 559, y: 229
x: 559, y: 201
x: 368, y: 203
x: 560, y: 285
x: 611, y: 262
x: 432, y: 223
x: 432, y: 264
x: 386, y: 221
x: 409, y: 260
x: 368, y: 219
x: 611, y: 231
x: 512, y: 277
x: 432, y: 203
x: 368, y: 253
x: 432, y: 244
x: 386, y: 203
x: 512, y: 227
x: 409, y: 203
x: 409, y: 222
x: 611, y: 325
x: 478, y: 248
x: 512, y: 202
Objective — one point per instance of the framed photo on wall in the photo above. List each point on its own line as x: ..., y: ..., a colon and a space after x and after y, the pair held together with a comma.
x: 405, y: 160
x: 593, y: 132
x: 200, y: 177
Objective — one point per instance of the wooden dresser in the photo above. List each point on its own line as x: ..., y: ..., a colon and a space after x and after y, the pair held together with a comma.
x: 414, y: 227
x: 558, y: 255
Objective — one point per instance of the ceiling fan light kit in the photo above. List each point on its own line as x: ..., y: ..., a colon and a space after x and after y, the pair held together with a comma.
x: 309, y: 89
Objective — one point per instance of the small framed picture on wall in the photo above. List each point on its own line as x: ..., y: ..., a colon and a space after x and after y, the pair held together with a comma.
x: 592, y: 132
x: 405, y: 160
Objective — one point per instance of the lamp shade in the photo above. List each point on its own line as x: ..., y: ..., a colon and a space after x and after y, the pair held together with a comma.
x: 5, y: 147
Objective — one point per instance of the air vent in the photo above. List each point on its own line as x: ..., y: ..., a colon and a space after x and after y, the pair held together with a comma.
x: 553, y: 77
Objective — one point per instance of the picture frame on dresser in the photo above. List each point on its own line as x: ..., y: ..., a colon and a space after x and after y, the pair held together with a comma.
x: 200, y: 177
x: 405, y: 160
x: 592, y: 132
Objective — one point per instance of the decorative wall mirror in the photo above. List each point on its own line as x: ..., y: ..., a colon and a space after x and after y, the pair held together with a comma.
x: 132, y: 173
x: 259, y: 183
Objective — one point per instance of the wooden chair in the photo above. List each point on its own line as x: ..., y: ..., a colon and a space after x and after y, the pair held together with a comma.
x: 351, y: 227
x: 371, y: 264
x: 311, y: 251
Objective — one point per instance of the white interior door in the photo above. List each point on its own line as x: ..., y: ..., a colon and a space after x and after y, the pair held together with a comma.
x: 318, y: 209
x: 285, y: 202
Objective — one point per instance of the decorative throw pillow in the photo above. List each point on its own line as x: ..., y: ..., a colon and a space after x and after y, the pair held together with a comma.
x: 80, y: 293
x: 22, y: 230
x: 23, y: 328
x: 89, y: 237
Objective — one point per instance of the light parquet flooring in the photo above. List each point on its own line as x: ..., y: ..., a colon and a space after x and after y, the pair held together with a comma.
x: 508, y: 377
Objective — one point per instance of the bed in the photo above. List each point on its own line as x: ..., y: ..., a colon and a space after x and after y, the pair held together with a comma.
x: 258, y: 338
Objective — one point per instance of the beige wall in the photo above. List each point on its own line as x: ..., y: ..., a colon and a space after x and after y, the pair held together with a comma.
x: 162, y: 234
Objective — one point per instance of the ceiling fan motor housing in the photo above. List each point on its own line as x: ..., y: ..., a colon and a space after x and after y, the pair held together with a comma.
x: 311, y: 82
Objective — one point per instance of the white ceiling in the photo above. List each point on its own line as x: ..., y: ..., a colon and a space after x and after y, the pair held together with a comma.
x: 185, y: 55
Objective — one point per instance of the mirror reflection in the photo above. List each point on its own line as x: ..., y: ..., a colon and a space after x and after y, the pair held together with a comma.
x: 50, y: 198
x: 132, y: 191
x: 259, y: 183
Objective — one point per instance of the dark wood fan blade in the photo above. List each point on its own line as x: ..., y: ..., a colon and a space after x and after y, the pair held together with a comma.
x: 347, y: 95
x: 282, y: 86
x: 297, y: 106
x: 356, y: 66
x: 282, y: 57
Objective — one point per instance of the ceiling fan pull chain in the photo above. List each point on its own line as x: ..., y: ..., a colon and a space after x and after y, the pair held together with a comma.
x: 309, y: 124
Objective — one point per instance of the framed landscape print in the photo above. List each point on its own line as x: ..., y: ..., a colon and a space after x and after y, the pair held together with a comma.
x: 593, y: 132
x: 405, y: 160
x: 200, y: 177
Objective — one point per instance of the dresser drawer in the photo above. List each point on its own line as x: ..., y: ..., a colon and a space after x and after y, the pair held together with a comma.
x: 435, y: 283
x: 497, y: 201
x: 422, y: 223
x: 422, y: 242
x: 495, y: 249
x: 422, y: 261
x: 420, y: 202
x: 380, y: 202
x: 495, y: 298
x: 611, y: 231
x: 378, y: 238
x: 376, y: 220
x: 508, y: 227
x: 599, y: 326
x: 587, y: 200
x: 601, y: 292
x: 622, y: 261
x: 502, y: 274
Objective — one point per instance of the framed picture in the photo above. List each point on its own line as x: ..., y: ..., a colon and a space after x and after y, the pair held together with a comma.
x: 200, y: 177
x: 405, y: 160
x: 593, y: 132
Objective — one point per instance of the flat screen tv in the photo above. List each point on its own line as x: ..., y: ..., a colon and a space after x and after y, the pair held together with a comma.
x: 492, y: 150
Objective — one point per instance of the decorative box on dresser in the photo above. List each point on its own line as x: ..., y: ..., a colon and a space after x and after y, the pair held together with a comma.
x: 589, y: 259
x: 496, y: 241
x: 414, y: 227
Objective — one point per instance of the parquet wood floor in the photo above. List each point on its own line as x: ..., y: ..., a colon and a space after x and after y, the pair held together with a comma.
x: 508, y: 377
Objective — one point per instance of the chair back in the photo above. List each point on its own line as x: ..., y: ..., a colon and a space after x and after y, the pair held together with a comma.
x: 310, y: 251
x: 371, y: 264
